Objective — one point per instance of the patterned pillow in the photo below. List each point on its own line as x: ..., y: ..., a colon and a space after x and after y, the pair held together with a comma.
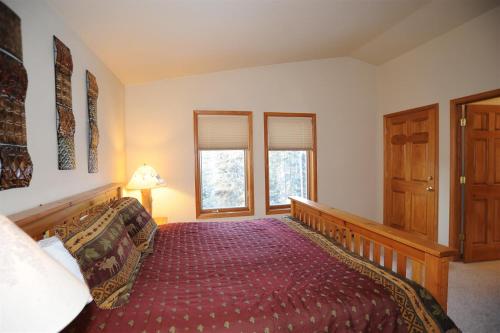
x: 140, y: 225
x: 106, y: 254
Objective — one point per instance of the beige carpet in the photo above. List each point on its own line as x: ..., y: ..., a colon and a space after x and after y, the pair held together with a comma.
x: 474, y: 296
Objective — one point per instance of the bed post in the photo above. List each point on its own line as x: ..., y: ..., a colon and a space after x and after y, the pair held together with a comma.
x: 436, y: 278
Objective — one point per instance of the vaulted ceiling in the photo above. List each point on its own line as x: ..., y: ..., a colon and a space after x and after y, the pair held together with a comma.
x: 148, y: 40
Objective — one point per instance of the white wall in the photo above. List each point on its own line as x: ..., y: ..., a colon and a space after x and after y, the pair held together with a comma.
x: 39, y: 24
x: 349, y: 96
x: 159, y: 127
x: 461, y: 62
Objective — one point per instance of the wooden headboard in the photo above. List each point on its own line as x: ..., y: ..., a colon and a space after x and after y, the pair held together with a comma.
x: 36, y: 221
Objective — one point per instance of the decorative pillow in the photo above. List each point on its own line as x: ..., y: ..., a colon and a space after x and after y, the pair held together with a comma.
x: 106, y: 254
x: 96, y: 209
x: 56, y: 250
x: 140, y: 225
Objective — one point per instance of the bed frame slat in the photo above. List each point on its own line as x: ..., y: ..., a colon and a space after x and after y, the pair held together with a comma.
x: 416, y: 271
x: 401, y: 264
x: 348, y: 237
x: 388, y: 255
x: 366, y: 248
x: 376, y: 252
x: 357, y: 244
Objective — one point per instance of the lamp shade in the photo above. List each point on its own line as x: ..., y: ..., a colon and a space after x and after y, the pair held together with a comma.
x: 145, y: 177
x: 37, y: 293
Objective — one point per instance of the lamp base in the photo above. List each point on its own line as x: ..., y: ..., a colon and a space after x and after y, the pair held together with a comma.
x: 147, y: 200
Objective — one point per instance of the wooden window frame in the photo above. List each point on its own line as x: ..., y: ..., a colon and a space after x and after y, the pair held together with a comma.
x: 312, y: 170
x: 225, y: 212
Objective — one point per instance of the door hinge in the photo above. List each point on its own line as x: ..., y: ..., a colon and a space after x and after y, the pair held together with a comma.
x: 462, y: 179
x: 461, y: 237
x: 463, y: 122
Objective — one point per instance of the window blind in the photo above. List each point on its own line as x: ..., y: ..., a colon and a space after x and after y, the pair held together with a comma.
x: 290, y: 133
x: 222, y: 132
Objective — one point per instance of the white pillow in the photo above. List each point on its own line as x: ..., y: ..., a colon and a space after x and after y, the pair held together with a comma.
x: 54, y: 247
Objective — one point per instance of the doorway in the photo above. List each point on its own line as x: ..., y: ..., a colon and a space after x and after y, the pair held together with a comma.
x: 475, y: 176
x: 411, y: 170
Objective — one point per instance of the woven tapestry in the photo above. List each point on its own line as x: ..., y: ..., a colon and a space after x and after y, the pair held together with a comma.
x: 65, y: 117
x: 92, y: 93
x: 15, y: 163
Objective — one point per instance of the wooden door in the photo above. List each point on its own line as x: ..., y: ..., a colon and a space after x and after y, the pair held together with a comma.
x: 411, y: 172
x: 482, y: 185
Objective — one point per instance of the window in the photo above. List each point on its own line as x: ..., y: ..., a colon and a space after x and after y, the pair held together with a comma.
x: 290, y: 157
x: 287, y: 176
x: 223, y: 148
x: 223, y: 179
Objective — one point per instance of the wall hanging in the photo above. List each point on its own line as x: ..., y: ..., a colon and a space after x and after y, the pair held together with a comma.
x: 65, y: 117
x: 15, y: 163
x: 92, y: 93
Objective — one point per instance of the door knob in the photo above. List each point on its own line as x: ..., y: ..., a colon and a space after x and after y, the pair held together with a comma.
x: 429, y: 189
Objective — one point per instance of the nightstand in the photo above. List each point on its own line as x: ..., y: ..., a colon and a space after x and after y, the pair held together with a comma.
x: 161, y: 220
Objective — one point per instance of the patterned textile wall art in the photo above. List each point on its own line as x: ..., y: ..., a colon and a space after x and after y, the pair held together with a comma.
x: 65, y: 117
x: 16, y: 167
x: 92, y: 93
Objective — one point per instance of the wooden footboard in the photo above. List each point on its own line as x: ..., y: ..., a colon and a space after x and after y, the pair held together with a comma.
x: 420, y: 260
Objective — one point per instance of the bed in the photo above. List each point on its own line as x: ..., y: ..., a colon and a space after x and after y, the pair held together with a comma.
x: 318, y: 270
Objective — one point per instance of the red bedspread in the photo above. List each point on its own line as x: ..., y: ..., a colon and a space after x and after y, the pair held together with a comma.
x: 252, y: 276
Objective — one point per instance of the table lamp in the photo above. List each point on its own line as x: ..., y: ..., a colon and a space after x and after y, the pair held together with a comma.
x: 37, y: 294
x: 145, y: 178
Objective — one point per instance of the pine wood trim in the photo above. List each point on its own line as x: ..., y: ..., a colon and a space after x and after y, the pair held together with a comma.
x: 455, y: 156
x: 36, y: 221
x: 312, y: 156
x: 357, y: 234
x: 249, y: 210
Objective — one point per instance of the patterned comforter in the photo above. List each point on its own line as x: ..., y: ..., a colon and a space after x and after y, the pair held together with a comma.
x: 264, y: 275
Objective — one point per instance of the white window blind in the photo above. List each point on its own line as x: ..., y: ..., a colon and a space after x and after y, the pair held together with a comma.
x: 290, y: 133
x: 222, y: 132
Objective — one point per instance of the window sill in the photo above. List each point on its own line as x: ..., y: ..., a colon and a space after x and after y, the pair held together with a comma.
x: 235, y: 213
x: 278, y: 210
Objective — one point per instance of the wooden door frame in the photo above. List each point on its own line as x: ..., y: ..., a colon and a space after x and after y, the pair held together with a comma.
x: 455, y: 159
x: 435, y: 109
